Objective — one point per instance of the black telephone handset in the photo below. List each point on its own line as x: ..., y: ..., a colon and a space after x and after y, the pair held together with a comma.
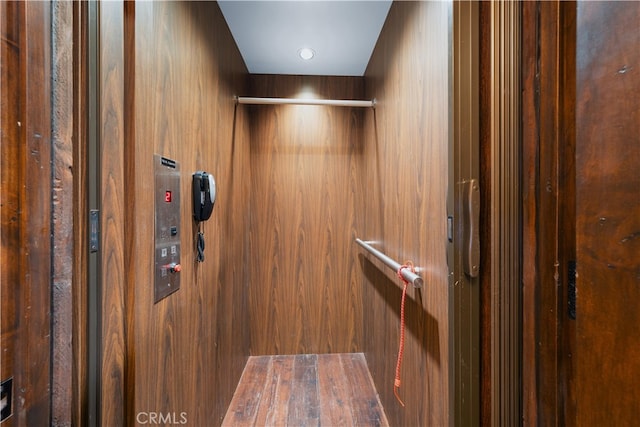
x: 204, y: 195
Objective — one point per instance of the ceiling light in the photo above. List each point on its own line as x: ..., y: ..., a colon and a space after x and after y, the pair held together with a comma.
x: 306, y: 53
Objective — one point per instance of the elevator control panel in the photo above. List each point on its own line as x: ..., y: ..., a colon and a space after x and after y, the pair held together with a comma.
x: 167, y: 227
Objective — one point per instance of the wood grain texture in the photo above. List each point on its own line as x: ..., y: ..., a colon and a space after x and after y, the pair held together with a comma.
x: 63, y: 219
x: 113, y: 210
x: 129, y: 109
x: 487, y: 401
x: 548, y: 208
x: 80, y: 208
x: 530, y: 138
x: 296, y: 390
x: 567, y: 206
x: 190, y: 348
x: 305, y: 295
x: 608, y: 213
x: 11, y: 172
x: 25, y: 188
x: 404, y: 176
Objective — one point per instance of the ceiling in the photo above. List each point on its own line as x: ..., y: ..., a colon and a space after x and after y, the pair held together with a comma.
x: 270, y: 34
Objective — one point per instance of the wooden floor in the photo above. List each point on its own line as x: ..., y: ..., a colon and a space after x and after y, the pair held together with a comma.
x: 306, y: 390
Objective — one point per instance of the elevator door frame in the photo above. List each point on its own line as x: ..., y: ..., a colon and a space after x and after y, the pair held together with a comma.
x: 464, y: 292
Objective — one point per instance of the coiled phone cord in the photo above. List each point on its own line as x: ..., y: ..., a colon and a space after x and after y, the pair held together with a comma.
x: 200, y: 244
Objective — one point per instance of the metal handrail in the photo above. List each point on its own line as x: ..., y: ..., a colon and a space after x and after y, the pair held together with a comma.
x: 302, y: 101
x: 408, y: 275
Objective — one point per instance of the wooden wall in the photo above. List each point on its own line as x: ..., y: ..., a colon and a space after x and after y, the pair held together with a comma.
x: 63, y: 219
x: 404, y: 173
x: 607, y: 206
x: 305, y: 294
x: 114, y: 360
x: 169, y: 71
x: 25, y: 210
x: 548, y: 212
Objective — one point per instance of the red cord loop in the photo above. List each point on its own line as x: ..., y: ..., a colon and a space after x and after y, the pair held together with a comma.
x: 408, y: 265
x: 396, y: 382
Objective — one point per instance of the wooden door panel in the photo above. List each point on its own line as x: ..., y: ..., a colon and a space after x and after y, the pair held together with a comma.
x: 25, y: 191
x: 9, y: 191
x: 608, y: 212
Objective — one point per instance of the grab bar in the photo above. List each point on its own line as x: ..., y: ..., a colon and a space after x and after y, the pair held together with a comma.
x: 302, y: 101
x: 408, y: 275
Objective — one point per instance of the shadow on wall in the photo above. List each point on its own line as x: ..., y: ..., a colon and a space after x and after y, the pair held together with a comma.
x: 418, y: 322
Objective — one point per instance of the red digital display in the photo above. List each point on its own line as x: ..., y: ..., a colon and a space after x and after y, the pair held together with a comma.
x: 167, y: 196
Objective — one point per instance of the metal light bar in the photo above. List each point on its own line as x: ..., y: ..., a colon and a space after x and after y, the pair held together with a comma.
x: 409, y: 275
x: 308, y: 101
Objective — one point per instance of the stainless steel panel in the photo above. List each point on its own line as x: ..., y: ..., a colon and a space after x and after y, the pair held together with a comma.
x: 167, y: 227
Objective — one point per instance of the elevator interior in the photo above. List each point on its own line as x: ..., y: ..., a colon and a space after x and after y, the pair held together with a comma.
x: 164, y: 324
x: 296, y: 186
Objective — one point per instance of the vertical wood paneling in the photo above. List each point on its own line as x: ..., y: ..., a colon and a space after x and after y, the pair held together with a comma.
x: 35, y: 345
x: 567, y: 207
x: 129, y: 109
x: 80, y: 209
x: 404, y: 174
x: 548, y: 215
x: 485, y: 131
x: 305, y: 295
x: 11, y: 171
x: 191, y: 347
x: 63, y: 219
x: 112, y: 214
x: 530, y: 139
x: 25, y: 189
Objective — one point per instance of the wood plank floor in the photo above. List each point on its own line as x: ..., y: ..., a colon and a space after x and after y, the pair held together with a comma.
x: 306, y: 390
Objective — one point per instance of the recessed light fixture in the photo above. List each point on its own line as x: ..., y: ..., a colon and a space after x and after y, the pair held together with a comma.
x: 306, y: 53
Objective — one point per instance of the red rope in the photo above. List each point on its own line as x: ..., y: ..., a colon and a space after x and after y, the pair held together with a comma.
x: 396, y: 382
